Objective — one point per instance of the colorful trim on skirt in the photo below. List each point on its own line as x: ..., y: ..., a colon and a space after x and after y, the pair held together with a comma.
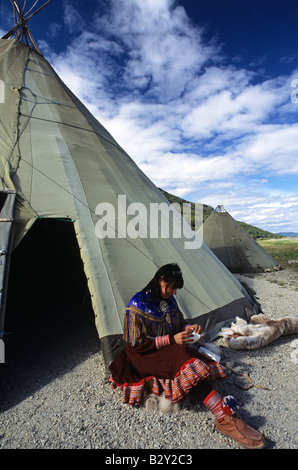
x: 177, y: 389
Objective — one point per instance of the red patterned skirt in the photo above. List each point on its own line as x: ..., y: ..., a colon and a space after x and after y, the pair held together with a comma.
x: 174, y: 370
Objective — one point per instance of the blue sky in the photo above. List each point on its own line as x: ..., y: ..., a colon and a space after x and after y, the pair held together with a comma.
x: 201, y: 94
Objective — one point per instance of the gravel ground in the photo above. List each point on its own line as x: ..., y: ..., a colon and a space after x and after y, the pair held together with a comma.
x: 53, y: 394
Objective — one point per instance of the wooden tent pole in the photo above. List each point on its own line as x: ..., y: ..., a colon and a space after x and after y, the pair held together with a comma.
x: 21, y: 19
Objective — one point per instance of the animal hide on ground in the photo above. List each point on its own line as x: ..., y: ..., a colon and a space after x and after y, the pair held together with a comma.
x: 165, y: 405
x: 259, y: 332
x: 161, y: 403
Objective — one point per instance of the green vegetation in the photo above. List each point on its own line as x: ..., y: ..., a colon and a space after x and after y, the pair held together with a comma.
x: 257, y: 233
x: 283, y: 251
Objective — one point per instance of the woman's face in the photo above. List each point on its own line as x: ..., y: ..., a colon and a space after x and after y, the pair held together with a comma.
x: 166, y: 290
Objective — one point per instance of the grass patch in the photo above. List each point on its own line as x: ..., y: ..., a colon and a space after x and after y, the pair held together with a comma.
x: 282, y: 250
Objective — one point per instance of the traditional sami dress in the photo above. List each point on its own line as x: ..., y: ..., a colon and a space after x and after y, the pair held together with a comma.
x: 151, y: 361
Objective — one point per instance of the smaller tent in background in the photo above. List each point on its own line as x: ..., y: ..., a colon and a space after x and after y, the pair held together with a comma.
x: 233, y: 246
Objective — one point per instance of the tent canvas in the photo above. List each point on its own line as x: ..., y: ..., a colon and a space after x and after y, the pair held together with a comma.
x: 62, y: 163
x: 233, y: 246
x: 7, y: 200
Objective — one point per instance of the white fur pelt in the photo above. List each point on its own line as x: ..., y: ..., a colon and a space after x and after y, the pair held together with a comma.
x: 165, y: 405
x: 161, y: 403
x: 259, y: 332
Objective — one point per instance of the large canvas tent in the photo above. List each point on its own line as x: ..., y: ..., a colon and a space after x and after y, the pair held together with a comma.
x: 62, y: 163
x: 233, y: 246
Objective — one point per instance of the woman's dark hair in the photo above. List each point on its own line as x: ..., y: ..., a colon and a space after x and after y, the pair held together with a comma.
x: 171, y: 274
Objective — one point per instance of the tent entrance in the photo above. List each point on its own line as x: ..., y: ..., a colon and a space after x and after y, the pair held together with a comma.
x: 7, y: 201
x: 49, y: 322
x: 47, y: 271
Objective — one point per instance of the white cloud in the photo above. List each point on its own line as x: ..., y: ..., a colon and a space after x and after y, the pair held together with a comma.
x: 234, y: 111
x: 163, y: 48
x: 276, y: 148
x: 72, y: 19
x: 148, y: 49
x: 259, y: 207
x: 195, y: 126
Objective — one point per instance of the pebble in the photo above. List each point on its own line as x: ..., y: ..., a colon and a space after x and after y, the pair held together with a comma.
x: 62, y: 402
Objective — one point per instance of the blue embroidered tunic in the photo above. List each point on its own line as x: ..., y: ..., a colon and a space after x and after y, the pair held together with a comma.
x: 146, y: 318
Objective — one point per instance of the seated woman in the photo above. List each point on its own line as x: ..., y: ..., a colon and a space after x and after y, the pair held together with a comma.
x: 158, y: 358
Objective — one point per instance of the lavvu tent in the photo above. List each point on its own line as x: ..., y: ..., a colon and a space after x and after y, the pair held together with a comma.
x: 233, y: 246
x: 61, y: 163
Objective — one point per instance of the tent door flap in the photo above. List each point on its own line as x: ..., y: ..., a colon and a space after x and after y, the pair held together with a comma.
x: 7, y: 201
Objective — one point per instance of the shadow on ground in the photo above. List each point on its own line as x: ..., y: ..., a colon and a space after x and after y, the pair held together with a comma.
x: 49, y: 323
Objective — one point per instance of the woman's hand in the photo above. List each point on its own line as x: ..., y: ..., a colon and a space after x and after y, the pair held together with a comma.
x: 185, y: 337
x: 194, y: 328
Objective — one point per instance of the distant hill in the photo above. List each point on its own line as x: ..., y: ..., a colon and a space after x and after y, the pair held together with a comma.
x: 253, y: 231
x: 175, y: 199
x: 256, y: 232
x: 289, y: 234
